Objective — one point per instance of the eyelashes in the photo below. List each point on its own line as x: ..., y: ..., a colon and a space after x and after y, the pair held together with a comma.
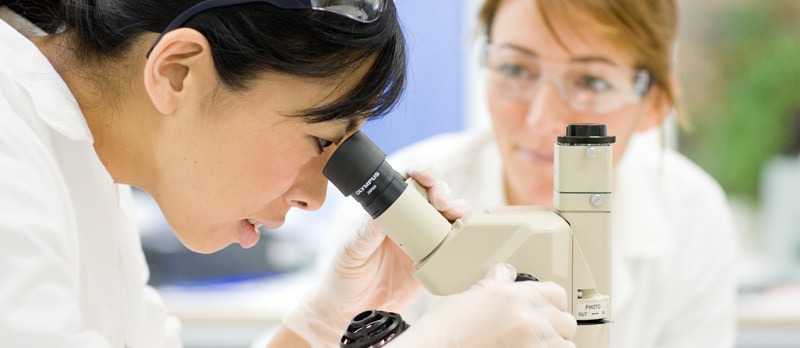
x: 322, y: 144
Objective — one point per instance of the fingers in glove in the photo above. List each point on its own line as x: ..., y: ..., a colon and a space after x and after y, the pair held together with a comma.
x: 506, y: 273
x: 553, y: 293
x: 426, y: 177
x: 366, y: 240
x: 565, y: 324
x: 499, y: 274
x: 440, y: 195
x: 551, y: 300
x: 552, y: 325
x: 548, y: 324
x: 456, y: 210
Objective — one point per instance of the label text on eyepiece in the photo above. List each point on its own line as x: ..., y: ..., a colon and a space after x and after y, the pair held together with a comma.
x: 368, y: 184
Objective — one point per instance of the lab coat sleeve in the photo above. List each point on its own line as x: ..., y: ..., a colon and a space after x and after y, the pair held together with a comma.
x: 705, y: 285
x: 38, y: 250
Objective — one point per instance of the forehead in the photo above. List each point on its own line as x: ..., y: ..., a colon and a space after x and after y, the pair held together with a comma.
x: 295, y: 95
x: 290, y: 95
x: 520, y: 23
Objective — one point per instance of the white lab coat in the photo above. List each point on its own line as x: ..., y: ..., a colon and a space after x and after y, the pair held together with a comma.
x: 673, y: 237
x: 72, y: 272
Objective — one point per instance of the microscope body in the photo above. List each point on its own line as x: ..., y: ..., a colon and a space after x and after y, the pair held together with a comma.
x: 569, y: 245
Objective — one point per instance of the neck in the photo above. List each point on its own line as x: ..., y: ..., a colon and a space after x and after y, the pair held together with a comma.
x: 109, y: 96
x: 539, y: 195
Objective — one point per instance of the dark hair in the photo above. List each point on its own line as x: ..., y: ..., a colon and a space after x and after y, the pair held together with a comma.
x: 246, y: 41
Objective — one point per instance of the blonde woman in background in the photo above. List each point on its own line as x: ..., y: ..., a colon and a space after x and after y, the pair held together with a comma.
x: 549, y: 63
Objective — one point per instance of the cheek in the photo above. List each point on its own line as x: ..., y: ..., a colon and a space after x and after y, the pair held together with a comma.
x: 619, y: 149
x: 621, y: 145
x: 620, y: 124
x: 274, y: 170
x: 247, y: 168
x: 506, y: 115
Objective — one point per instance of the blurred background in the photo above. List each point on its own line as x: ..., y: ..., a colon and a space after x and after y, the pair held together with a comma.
x: 739, y: 68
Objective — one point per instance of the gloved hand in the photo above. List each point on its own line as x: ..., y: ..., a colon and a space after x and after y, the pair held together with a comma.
x: 496, y: 312
x: 439, y: 194
x: 368, y: 272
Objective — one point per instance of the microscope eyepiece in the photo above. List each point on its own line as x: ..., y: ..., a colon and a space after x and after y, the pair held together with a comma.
x: 359, y: 168
x: 586, y: 134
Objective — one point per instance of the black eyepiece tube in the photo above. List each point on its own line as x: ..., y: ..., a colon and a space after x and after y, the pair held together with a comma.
x: 586, y: 134
x: 359, y: 168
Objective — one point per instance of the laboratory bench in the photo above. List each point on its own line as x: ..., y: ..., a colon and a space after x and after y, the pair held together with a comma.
x: 243, y: 315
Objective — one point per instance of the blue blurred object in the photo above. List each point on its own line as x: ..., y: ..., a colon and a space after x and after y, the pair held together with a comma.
x: 171, y: 263
x: 433, y: 99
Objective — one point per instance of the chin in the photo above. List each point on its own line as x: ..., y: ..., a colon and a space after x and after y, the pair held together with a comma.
x: 208, y: 249
x: 538, y: 174
x: 204, y: 243
x: 534, y: 189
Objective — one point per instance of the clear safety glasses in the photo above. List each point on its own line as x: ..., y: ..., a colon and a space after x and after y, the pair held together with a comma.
x: 364, y: 11
x: 588, y: 87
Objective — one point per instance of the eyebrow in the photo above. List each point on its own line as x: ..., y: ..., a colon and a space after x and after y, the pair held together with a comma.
x: 594, y: 59
x: 352, y: 124
x: 582, y: 59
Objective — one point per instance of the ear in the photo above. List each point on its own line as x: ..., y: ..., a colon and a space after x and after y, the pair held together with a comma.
x: 176, y: 67
x: 659, y: 106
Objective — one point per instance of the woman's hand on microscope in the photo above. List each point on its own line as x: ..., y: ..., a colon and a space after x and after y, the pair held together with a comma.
x: 369, y: 271
x: 439, y: 194
x: 496, y: 312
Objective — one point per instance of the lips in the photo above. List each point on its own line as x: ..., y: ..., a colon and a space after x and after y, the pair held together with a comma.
x: 255, y: 223
x: 266, y: 223
x: 248, y: 234
x: 535, y: 156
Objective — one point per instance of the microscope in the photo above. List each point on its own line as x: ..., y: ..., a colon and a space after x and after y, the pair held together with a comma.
x: 569, y: 245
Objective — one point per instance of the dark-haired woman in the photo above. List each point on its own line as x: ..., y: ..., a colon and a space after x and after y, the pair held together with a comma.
x: 225, y: 112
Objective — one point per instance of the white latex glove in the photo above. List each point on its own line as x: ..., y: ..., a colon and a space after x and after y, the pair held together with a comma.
x: 496, y: 312
x: 368, y: 272
x: 439, y: 194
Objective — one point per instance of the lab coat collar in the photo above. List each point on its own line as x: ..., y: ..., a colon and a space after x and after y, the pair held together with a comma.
x: 53, y: 101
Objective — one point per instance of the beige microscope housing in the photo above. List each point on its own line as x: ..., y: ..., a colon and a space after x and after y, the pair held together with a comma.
x: 569, y: 245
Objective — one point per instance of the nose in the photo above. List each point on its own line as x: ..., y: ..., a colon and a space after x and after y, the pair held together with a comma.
x: 547, y: 111
x: 310, y: 187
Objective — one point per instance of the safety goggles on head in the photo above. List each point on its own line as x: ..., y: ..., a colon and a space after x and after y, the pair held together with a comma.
x: 364, y: 11
x: 590, y: 87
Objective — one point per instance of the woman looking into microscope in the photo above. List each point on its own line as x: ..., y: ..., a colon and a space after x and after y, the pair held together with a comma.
x: 225, y: 113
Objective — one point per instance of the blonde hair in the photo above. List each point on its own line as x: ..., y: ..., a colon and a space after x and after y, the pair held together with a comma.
x: 644, y: 29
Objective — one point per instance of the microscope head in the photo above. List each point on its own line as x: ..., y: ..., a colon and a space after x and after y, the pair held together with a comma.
x: 569, y: 245
x: 359, y: 169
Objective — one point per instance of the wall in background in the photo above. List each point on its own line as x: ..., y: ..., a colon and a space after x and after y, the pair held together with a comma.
x: 434, y: 96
